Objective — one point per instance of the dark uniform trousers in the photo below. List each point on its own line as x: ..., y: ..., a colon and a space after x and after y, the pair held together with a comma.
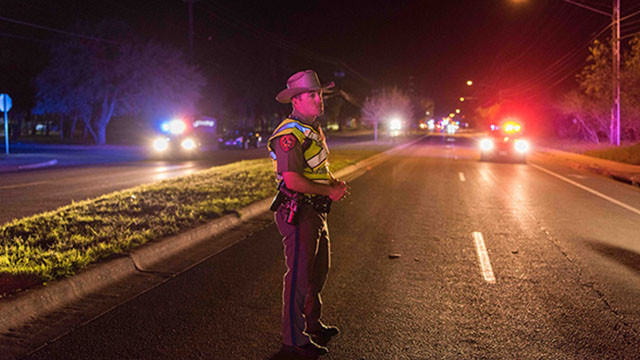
x: 306, y: 250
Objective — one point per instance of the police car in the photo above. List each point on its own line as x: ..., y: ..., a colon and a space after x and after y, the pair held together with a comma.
x: 505, y: 142
x: 176, y: 139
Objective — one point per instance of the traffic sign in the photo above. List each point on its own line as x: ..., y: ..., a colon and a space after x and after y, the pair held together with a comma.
x: 5, y: 106
x: 5, y: 102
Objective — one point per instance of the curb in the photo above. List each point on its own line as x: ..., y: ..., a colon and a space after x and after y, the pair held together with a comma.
x: 5, y: 168
x: 16, y: 311
x: 31, y: 304
x: 38, y: 165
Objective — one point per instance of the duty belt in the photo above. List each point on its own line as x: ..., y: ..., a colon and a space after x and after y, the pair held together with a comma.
x: 319, y: 203
x: 292, y: 201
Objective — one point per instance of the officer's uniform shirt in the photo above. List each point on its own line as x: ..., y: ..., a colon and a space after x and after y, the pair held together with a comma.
x: 289, y: 157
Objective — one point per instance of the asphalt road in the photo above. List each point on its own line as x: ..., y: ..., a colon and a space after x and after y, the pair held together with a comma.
x: 560, y: 279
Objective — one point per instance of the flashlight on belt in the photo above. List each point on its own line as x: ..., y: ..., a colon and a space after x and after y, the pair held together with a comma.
x: 292, y: 215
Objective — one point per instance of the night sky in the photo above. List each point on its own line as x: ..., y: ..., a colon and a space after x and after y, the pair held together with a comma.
x: 529, y: 49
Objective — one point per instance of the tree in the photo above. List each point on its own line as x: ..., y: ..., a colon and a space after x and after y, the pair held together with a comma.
x: 94, y: 80
x: 630, y: 94
x: 582, y: 117
x: 592, y: 107
x: 589, y: 108
x: 384, y: 104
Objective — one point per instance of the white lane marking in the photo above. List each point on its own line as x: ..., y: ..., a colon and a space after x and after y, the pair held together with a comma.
x: 461, y: 176
x: 23, y: 185
x: 594, y: 192
x: 483, y: 258
x: 576, y: 176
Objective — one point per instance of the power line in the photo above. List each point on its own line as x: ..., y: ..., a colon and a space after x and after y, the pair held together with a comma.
x: 224, y: 15
x: 541, y: 79
x: 545, y: 36
x: 42, y: 27
x: 22, y: 37
x: 630, y: 15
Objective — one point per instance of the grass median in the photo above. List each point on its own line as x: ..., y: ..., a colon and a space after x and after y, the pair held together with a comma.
x: 624, y: 154
x: 58, y: 243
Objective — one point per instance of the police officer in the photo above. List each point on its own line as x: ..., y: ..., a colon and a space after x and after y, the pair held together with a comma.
x: 299, y: 152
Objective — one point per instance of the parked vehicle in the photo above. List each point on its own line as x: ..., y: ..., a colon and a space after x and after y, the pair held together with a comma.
x: 240, y: 139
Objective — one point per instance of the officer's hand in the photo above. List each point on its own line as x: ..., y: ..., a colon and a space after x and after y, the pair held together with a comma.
x: 338, y: 190
x: 348, y: 191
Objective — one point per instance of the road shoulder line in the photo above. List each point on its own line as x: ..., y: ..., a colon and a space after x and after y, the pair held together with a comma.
x: 585, y: 188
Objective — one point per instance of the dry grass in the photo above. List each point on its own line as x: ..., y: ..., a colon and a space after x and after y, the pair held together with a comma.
x: 58, y: 243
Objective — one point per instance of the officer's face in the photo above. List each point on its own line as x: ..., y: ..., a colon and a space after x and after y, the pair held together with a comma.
x: 309, y: 104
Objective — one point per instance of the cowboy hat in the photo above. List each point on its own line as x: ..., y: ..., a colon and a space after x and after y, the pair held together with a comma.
x: 299, y: 83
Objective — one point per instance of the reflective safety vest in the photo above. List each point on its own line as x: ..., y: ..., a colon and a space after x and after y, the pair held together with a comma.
x: 314, y: 150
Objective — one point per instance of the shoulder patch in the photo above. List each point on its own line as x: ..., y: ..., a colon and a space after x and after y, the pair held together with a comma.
x: 287, y: 142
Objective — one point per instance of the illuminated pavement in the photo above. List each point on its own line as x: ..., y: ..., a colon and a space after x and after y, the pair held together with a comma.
x: 560, y: 279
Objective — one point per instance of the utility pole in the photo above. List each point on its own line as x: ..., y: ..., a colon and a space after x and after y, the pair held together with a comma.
x: 614, y: 127
x: 615, y: 110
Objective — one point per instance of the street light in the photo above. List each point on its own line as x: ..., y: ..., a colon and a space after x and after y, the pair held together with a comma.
x: 457, y: 111
x: 461, y: 98
x: 469, y: 82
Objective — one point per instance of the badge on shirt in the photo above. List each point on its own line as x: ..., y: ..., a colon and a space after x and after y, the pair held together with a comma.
x: 287, y: 142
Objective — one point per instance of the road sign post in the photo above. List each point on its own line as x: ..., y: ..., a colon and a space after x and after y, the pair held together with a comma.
x: 5, y: 106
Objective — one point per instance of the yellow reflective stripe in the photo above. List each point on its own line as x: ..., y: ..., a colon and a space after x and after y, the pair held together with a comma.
x: 289, y: 124
x: 313, y: 150
x: 320, y: 174
x: 317, y: 160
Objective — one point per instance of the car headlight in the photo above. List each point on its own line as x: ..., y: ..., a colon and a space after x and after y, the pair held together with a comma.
x: 160, y: 144
x: 395, y: 124
x: 521, y: 146
x: 486, y: 144
x: 188, y: 144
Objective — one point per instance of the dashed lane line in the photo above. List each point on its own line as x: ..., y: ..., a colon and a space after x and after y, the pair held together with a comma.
x: 483, y: 258
x: 461, y: 176
x: 594, y: 192
x: 24, y: 185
